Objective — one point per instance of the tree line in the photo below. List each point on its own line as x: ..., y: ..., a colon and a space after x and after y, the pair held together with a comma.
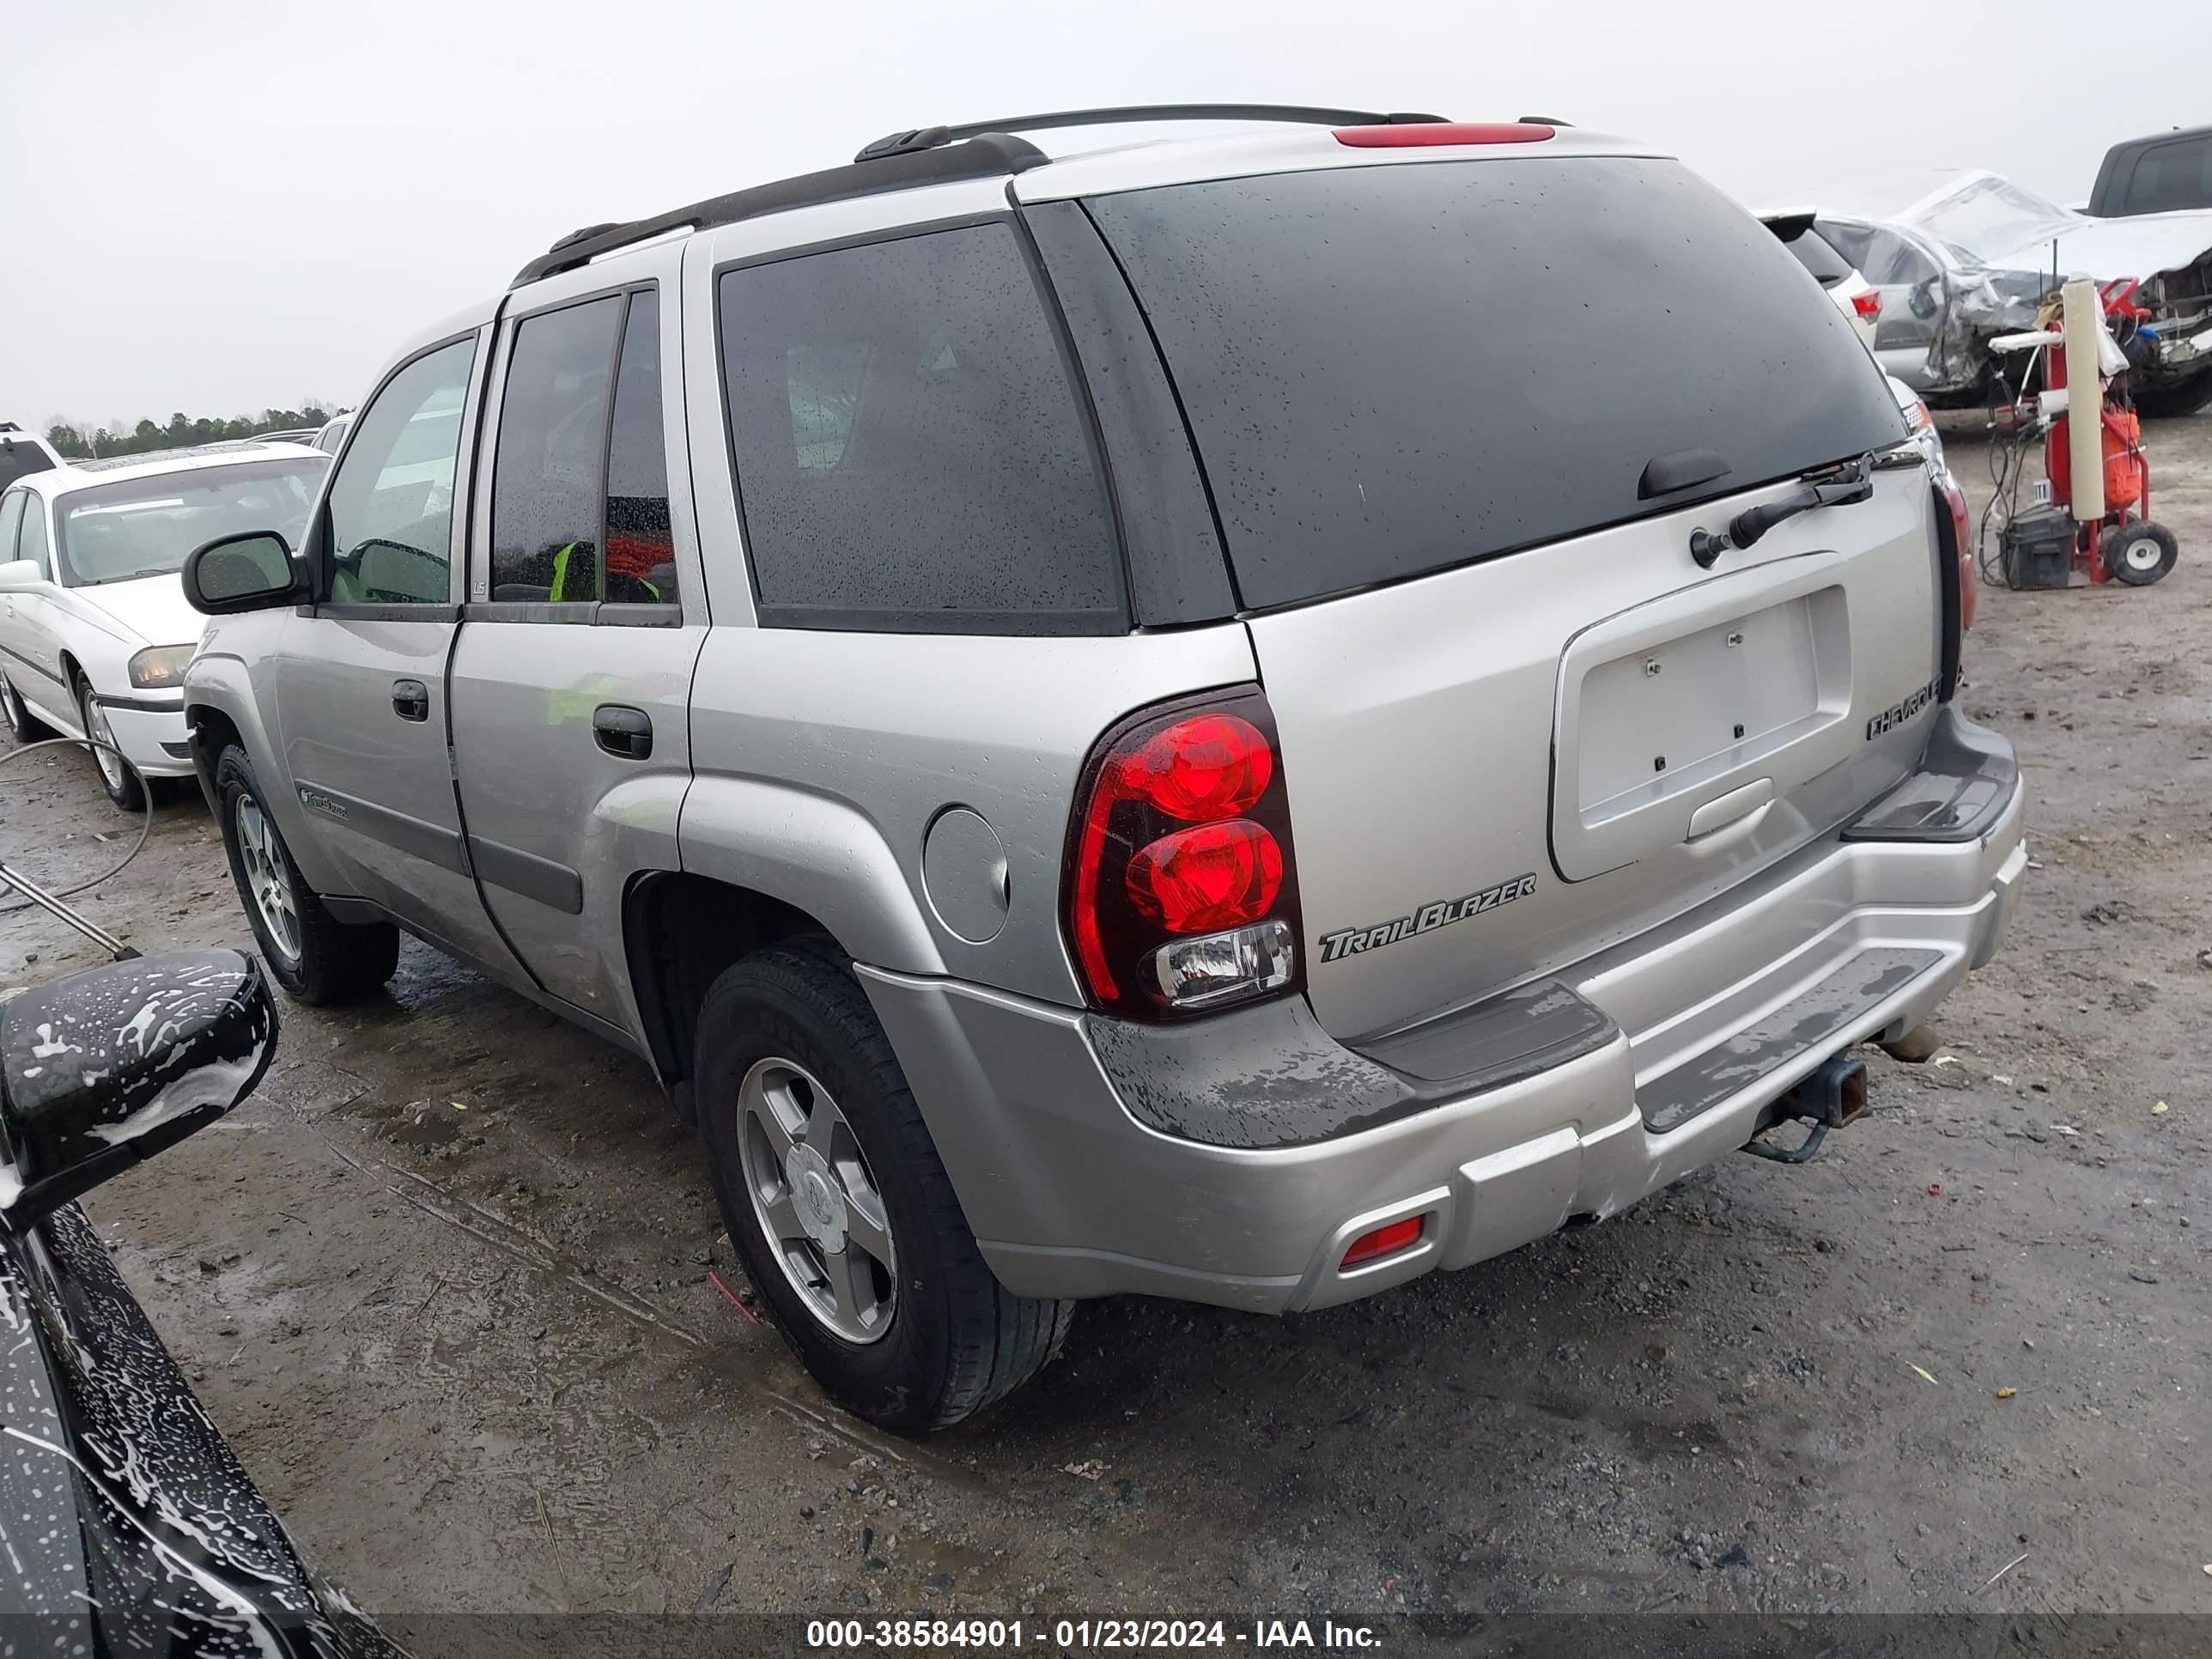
x: 181, y: 431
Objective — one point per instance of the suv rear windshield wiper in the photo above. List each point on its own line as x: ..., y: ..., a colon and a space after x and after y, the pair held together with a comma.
x: 1839, y: 486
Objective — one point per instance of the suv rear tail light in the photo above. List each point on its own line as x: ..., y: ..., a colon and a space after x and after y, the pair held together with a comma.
x: 1867, y: 304
x: 1182, y: 894
x: 1963, y: 538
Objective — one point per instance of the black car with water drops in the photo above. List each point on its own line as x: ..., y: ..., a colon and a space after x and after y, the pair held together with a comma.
x: 127, y: 1526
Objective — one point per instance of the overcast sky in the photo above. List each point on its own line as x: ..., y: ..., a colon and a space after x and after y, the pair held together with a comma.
x: 219, y: 208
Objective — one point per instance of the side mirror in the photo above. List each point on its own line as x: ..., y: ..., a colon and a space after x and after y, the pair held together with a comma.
x: 18, y: 575
x: 101, y: 1070
x: 252, y: 571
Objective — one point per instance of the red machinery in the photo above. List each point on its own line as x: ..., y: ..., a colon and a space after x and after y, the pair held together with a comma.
x: 2042, y: 548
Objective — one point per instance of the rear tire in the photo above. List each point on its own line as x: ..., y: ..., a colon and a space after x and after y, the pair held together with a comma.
x: 118, y: 777
x: 23, y: 726
x: 2138, y: 552
x: 316, y: 958
x: 928, y: 1337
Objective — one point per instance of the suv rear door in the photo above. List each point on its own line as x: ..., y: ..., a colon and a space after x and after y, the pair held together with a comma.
x: 572, y: 676
x: 1460, y: 419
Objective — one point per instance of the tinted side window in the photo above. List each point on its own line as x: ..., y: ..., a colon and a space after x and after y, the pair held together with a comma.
x: 640, y: 564
x: 33, y: 546
x: 545, y: 501
x: 910, y: 452
x: 20, y: 461
x: 391, y: 511
x: 2170, y: 176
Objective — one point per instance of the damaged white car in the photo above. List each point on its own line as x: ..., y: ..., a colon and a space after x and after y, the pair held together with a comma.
x: 1975, y: 259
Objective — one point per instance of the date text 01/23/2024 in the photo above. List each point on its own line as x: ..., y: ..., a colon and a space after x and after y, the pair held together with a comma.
x: 1086, y: 1634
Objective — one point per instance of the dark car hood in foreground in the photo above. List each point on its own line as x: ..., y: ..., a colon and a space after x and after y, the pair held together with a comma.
x: 127, y: 1526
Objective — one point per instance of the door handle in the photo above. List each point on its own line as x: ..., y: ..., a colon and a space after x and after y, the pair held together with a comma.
x: 624, y: 732
x: 411, y: 700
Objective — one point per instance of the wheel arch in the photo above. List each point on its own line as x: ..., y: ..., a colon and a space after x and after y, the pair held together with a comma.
x: 219, y: 710
x: 680, y: 931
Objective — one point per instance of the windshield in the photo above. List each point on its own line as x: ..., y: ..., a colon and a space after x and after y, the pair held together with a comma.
x: 148, y: 526
x: 1992, y: 217
x: 1390, y: 370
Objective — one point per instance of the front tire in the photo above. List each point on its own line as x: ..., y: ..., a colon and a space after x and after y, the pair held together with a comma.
x: 310, y: 952
x: 840, y: 1207
x: 117, y: 776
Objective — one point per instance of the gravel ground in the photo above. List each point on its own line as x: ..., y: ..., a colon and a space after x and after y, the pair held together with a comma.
x: 445, y: 1283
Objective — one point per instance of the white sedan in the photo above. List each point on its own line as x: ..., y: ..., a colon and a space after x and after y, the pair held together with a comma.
x: 95, y: 631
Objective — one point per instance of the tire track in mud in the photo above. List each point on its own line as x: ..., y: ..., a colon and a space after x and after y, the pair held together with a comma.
x: 496, y: 1233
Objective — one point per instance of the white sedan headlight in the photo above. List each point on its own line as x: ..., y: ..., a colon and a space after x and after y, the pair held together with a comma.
x: 160, y: 667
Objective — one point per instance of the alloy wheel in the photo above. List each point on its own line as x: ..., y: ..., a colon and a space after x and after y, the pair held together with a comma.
x: 817, y: 1201
x: 266, y: 877
x: 105, y: 758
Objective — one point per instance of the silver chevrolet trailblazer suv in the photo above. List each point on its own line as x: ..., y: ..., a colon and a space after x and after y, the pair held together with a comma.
x: 1241, y: 719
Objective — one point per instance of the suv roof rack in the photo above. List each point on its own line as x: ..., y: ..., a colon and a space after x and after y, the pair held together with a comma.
x: 924, y: 138
x: 918, y: 156
x: 988, y: 154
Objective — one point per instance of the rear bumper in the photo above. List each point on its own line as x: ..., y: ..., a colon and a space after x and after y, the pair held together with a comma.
x: 1703, y: 1025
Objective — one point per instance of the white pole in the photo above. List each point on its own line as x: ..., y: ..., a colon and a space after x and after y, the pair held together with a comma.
x: 2085, y: 399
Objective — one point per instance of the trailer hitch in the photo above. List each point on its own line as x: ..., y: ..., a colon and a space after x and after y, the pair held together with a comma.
x: 1832, y: 1097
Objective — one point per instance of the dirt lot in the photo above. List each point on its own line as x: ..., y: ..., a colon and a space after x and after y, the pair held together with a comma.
x: 445, y: 1284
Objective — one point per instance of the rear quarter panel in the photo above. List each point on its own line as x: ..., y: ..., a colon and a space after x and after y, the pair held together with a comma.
x: 823, y: 759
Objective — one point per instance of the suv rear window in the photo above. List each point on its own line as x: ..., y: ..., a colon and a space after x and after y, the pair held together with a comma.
x: 910, y: 453
x: 1812, y: 250
x: 2171, y: 176
x: 19, y: 460
x: 1390, y: 370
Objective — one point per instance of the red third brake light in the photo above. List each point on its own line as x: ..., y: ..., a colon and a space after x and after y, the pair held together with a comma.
x: 1405, y: 135
x: 1867, y: 304
x: 1180, y: 891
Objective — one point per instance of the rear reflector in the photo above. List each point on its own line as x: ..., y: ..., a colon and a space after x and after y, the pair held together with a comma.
x: 1867, y: 304
x: 1444, y: 132
x: 1385, y: 1241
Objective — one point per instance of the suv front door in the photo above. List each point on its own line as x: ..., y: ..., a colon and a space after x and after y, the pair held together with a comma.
x: 361, y: 674
x: 572, y: 678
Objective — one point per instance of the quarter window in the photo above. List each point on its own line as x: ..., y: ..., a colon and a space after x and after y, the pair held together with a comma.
x: 391, y: 501
x: 640, y: 563
x: 11, y: 516
x: 910, y: 452
x: 579, y: 485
